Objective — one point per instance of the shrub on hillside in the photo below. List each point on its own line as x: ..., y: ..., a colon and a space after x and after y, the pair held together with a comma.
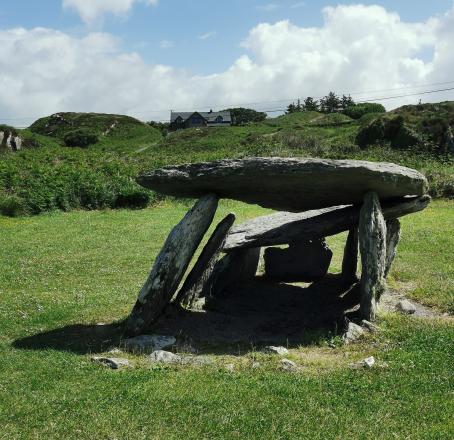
x: 241, y: 116
x: 388, y: 130
x: 80, y: 138
x: 11, y: 205
x: 359, y: 110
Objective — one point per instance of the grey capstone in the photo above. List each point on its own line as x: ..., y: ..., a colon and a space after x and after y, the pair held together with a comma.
x: 287, y: 184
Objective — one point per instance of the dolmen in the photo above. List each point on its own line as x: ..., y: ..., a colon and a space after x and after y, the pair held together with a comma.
x: 315, y: 198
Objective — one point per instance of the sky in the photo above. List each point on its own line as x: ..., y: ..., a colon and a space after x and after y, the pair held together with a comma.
x: 146, y: 57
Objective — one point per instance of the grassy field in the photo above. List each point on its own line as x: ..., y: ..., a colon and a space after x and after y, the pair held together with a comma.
x: 63, y: 273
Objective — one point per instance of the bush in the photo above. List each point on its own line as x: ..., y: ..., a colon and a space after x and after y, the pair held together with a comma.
x: 242, y: 116
x: 359, y: 110
x: 12, y: 205
x: 131, y: 195
x: 80, y: 138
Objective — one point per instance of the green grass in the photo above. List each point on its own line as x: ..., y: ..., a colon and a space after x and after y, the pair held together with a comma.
x: 85, y: 267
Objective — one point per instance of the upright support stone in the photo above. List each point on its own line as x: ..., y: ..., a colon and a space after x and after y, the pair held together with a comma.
x: 194, y: 285
x: 372, y: 242
x: 235, y: 267
x: 350, y: 260
x: 171, y: 264
x: 392, y: 240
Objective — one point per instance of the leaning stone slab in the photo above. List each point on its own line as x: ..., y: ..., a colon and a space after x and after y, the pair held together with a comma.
x: 285, y: 227
x: 372, y: 243
x: 392, y: 240
x: 193, y: 287
x: 350, y: 259
x: 171, y: 264
x: 288, y: 184
x: 303, y: 261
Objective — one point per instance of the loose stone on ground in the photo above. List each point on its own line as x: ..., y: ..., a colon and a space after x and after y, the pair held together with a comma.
x: 271, y: 349
x: 113, y: 363
x: 147, y: 343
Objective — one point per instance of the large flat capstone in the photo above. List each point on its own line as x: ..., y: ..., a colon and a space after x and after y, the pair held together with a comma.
x: 288, y: 184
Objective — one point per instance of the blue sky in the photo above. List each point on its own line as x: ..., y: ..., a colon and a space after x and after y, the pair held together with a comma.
x: 224, y: 52
x: 182, y: 23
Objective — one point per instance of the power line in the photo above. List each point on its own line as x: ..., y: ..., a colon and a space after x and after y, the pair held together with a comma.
x: 288, y: 100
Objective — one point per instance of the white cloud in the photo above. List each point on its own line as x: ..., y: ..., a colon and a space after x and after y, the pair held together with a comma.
x: 358, y: 48
x: 298, y: 5
x: 91, y: 10
x: 268, y: 7
x: 166, y: 44
x: 207, y: 35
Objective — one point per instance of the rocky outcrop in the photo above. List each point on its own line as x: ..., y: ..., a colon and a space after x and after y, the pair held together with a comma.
x: 288, y: 184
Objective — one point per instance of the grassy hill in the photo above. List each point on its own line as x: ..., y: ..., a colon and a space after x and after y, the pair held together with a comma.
x: 54, y: 176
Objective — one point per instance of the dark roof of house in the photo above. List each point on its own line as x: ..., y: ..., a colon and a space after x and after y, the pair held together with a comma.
x: 209, y: 116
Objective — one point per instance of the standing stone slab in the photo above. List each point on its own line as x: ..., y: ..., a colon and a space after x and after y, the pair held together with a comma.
x: 194, y: 284
x: 171, y: 264
x: 350, y: 260
x: 288, y: 184
x: 392, y: 240
x: 303, y: 261
x: 233, y: 268
x: 372, y: 243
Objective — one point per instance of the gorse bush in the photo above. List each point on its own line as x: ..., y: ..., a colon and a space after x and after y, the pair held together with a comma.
x: 80, y: 138
x: 359, y: 110
x: 44, y: 180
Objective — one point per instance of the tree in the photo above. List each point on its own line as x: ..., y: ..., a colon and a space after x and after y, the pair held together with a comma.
x: 291, y: 108
x: 347, y: 101
x: 330, y: 103
x: 241, y: 115
x: 310, y: 105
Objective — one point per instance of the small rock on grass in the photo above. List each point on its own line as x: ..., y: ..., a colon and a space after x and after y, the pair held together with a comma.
x: 230, y: 367
x: 281, y: 351
x: 405, y: 307
x: 370, y: 326
x: 114, y: 363
x: 354, y: 332
x: 165, y: 357
x: 148, y: 343
x: 368, y: 362
x: 288, y: 365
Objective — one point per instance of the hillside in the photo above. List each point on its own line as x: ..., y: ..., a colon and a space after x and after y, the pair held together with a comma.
x: 110, y: 131
x: 423, y: 126
x: 53, y: 176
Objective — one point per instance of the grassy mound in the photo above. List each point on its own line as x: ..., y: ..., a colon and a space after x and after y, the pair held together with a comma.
x: 423, y: 126
x: 106, y: 131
